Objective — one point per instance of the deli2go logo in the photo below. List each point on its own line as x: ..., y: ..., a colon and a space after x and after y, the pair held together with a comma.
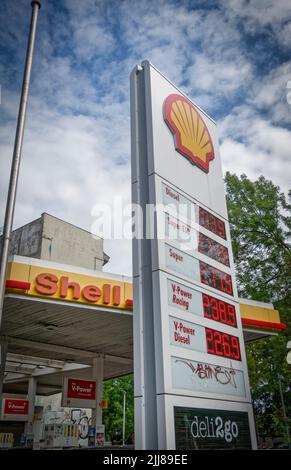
x: 203, y: 428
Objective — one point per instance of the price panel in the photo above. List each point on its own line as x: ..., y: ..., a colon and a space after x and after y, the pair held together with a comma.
x: 212, y: 223
x: 222, y: 344
x: 219, y: 310
x: 200, y: 338
x: 190, y: 300
x: 216, y: 278
x: 213, y: 249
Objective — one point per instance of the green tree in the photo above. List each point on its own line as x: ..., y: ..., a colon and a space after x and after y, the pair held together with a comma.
x: 260, y: 222
x: 113, y: 416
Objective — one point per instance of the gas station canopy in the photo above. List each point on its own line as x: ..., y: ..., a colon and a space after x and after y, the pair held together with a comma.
x: 58, y: 318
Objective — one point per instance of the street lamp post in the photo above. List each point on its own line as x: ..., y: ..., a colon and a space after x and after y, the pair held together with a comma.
x: 284, y: 409
x: 123, y: 421
x: 12, y: 189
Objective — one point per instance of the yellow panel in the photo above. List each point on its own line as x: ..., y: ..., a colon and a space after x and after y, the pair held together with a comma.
x: 128, y: 291
x: 259, y: 313
x: 18, y: 272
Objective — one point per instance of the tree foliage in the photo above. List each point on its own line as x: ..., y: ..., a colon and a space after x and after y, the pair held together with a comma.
x: 260, y: 222
x: 113, y: 416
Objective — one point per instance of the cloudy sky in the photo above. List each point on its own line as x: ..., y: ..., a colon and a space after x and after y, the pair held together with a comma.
x: 232, y: 57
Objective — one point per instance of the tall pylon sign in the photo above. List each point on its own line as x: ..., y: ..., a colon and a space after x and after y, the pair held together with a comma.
x: 190, y: 372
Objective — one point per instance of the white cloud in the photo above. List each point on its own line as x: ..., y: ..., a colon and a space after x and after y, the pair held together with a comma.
x: 269, y: 14
x: 252, y: 145
x: 270, y: 94
x: 216, y: 76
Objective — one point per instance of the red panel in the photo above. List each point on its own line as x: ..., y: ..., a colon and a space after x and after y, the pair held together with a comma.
x: 82, y: 389
x: 215, y: 278
x: 16, y: 407
x: 264, y: 324
x: 106, y: 293
x: 222, y: 344
x: 129, y: 303
x: 116, y: 295
x: 17, y: 285
x: 212, y: 223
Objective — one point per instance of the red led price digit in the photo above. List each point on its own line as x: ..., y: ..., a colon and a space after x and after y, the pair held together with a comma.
x: 231, y: 315
x: 222, y: 311
x: 222, y: 254
x: 218, y: 347
x: 206, y: 306
x: 212, y: 224
x: 214, y: 309
x: 235, y: 348
x: 209, y: 340
x: 226, y: 345
x: 221, y: 229
x: 215, y: 279
x: 226, y: 284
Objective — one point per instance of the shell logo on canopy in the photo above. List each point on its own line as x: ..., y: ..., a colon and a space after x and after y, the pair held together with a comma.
x: 191, y: 136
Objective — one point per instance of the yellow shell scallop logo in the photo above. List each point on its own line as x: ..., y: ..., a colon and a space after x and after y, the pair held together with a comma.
x: 191, y: 136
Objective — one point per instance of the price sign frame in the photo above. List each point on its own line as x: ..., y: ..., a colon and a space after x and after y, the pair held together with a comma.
x: 162, y: 157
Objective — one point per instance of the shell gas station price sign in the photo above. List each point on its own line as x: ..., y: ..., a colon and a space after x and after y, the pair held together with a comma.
x: 187, y: 290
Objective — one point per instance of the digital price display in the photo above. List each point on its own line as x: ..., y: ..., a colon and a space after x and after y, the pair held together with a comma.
x: 190, y: 335
x: 213, y: 249
x: 212, y: 223
x: 218, y: 310
x: 215, y: 278
x: 222, y: 344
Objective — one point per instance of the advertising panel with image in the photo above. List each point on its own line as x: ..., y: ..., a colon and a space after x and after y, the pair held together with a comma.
x: 202, y: 429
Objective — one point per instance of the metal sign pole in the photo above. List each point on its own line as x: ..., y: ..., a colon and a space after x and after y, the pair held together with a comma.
x: 11, y: 197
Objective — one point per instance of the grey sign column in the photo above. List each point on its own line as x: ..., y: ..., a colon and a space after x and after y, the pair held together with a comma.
x: 190, y: 371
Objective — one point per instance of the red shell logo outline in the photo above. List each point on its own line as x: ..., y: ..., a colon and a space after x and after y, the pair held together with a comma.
x: 191, y: 136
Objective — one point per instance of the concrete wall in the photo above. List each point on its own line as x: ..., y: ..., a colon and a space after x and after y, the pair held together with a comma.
x: 26, y: 240
x: 65, y: 243
x: 53, y: 239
